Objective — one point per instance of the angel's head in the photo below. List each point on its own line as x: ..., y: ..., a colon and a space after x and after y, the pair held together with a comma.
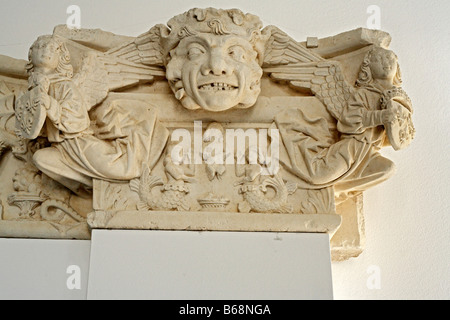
x: 49, y: 54
x: 380, y: 64
x: 214, y: 58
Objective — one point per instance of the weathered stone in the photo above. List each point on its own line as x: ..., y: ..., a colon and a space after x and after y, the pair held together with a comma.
x: 211, y: 122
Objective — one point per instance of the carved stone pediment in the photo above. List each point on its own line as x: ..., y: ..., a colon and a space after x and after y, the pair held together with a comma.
x: 211, y: 122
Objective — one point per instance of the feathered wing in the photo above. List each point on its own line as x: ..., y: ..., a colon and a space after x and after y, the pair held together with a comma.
x: 145, y: 49
x: 102, y: 73
x: 281, y: 49
x: 288, y: 61
x: 332, y: 89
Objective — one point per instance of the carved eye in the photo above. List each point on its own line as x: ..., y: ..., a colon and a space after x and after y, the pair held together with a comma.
x: 195, y: 51
x: 237, y: 53
x: 391, y: 57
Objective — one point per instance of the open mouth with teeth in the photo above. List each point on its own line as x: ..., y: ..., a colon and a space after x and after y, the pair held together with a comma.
x: 217, y: 86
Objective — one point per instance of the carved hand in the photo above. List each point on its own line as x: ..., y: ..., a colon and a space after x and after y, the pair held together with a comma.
x: 388, y: 116
x: 44, y: 99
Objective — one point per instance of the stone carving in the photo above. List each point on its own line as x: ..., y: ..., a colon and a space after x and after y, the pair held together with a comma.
x: 40, y: 199
x: 36, y: 190
x: 319, y: 201
x: 353, y: 163
x: 257, y: 201
x: 254, y: 187
x: 400, y: 128
x: 211, y: 117
x: 213, y: 203
x: 26, y: 203
x: 172, y: 194
x: 212, y: 57
x: 61, y: 101
x: 27, y: 197
x: 213, y: 169
x: 8, y: 138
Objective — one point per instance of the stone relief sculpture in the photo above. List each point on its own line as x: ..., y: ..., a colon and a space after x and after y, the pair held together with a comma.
x: 353, y: 163
x: 212, y: 57
x: 61, y: 103
x: 211, y: 122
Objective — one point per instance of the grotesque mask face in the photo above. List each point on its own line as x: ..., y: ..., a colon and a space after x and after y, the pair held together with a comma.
x: 214, y: 72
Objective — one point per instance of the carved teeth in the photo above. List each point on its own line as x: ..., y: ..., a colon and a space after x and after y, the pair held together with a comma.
x: 216, y: 86
x: 180, y: 94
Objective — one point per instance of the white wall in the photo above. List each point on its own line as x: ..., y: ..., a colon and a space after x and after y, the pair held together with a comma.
x: 44, y: 269
x: 407, y: 218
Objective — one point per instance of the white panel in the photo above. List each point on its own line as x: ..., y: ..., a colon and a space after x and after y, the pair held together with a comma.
x: 33, y: 269
x: 209, y: 265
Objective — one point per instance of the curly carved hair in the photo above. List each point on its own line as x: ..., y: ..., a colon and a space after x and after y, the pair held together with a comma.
x: 64, y: 67
x: 215, y: 21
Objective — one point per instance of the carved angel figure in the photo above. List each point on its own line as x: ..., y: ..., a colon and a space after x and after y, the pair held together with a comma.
x: 363, y: 114
x: 57, y: 105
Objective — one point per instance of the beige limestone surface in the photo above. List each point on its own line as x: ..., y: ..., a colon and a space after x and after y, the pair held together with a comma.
x: 210, y: 122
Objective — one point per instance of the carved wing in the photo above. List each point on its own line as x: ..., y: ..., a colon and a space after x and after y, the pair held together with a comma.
x: 102, y: 73
x: 146, y: 49
x: 281, y: 49
x: 288, y: 61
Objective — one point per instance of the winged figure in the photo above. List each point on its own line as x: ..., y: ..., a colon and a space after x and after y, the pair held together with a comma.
x: 349, y: 160
x: 320, y: 153
x: 288, y: 61
x: 58, y: 105
x: 98, y: 75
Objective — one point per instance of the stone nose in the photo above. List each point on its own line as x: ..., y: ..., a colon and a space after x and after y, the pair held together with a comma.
x: 216, y: 64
